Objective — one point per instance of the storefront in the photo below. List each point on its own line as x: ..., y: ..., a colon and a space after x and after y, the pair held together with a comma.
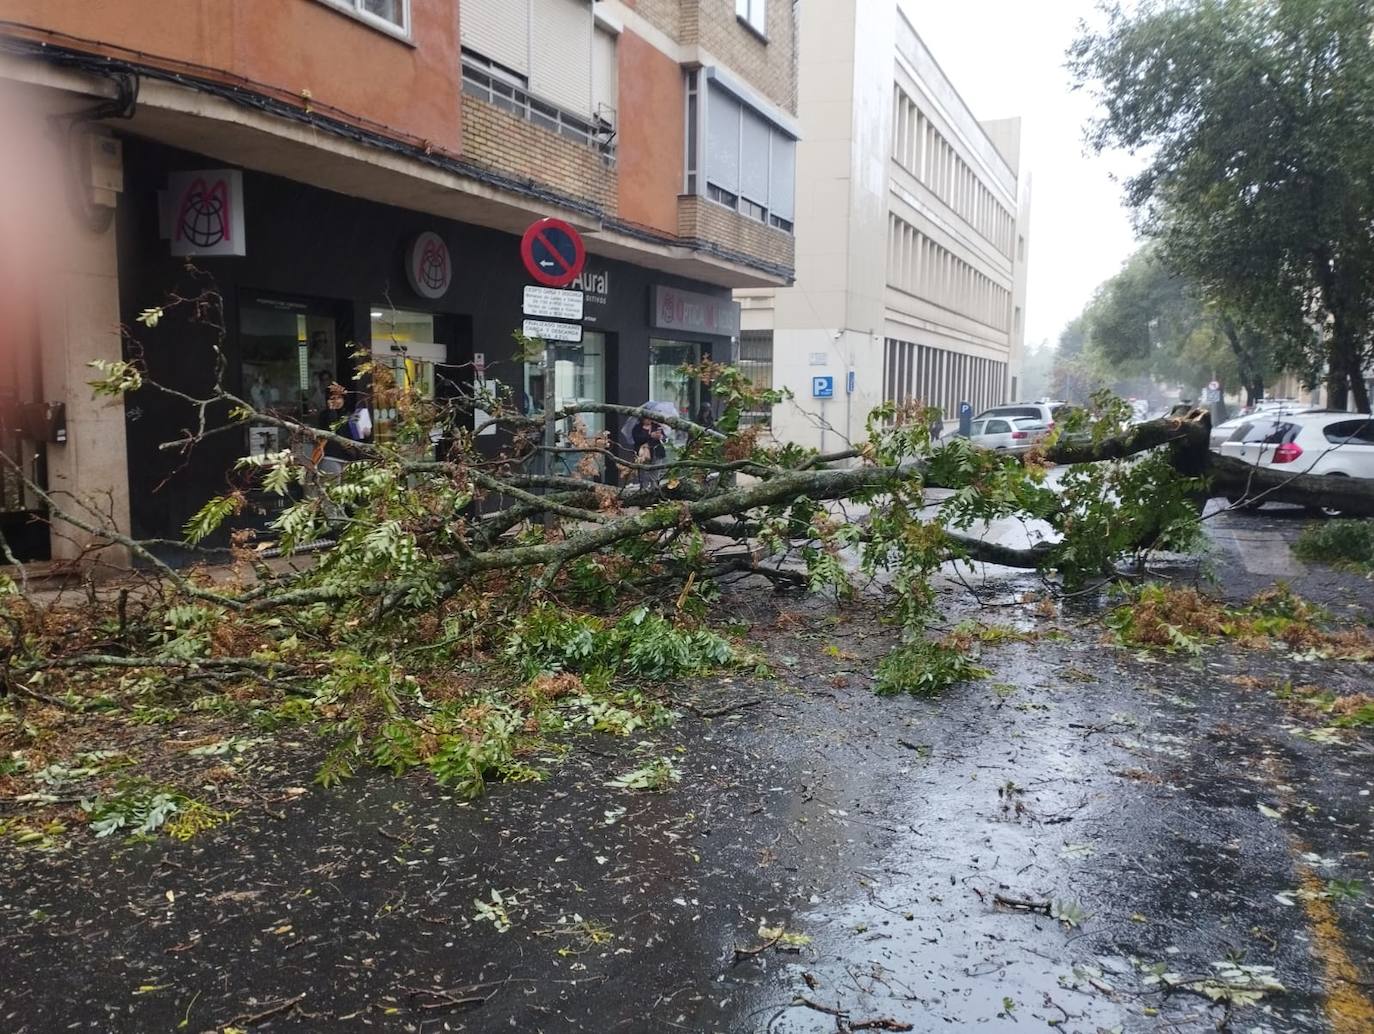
x: 310, y: 279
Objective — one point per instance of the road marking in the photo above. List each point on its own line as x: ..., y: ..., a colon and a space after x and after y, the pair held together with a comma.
x: 1347, y: 1006
x: 1348, y: 1009
x: 1261, y: 552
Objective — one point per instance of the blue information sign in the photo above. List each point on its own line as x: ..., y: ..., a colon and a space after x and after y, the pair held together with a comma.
x: 849, y: 383
x: 823, y: 387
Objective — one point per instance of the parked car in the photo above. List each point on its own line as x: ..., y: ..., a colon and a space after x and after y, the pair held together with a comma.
x: 1043, y: 412
x: 1007, y: 434
x: 1223, y: 432
x: 1326, y: 442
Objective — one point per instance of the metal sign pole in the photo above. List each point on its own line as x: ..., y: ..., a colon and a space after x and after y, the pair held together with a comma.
x: 549, y: 436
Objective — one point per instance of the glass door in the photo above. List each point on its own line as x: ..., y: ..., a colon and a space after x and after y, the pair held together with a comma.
x: 668, y: 383
x: 288, y: 361
x: 403, y: 346
x: 579, y: 376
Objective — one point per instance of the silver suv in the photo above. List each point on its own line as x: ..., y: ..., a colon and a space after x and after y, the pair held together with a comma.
x: 1044, y: 412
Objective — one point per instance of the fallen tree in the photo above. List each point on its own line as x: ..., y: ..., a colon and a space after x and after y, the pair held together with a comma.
x: 567, y: 555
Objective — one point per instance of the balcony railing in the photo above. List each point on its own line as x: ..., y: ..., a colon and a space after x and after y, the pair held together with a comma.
x: 491, y: 84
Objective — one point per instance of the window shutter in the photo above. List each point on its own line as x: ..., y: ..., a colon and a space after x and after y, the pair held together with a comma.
x: 722, y: 140
x: 498, y: 30
x: 753, y: 159
x: 561, y: 53
x: 782, y: 177
x: 605, y: 81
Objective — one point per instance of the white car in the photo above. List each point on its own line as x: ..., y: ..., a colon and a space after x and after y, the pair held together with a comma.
x: 1043, y: 412
x: 1325, y: 442
x: 1223, y: 431
x: 1007, y: 434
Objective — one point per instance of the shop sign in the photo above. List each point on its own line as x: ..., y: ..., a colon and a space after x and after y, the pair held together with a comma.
x: 548, y: 330
x: 690, y: 311
x: 205, y: 210
x: 552, y: 303
x: 429, y: 269
x: 595, y: 285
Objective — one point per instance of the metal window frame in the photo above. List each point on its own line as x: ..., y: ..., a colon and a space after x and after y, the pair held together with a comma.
x: 696, y: 178
x: 755, y: 12
x: 354, y: 9
x: 481, y: 77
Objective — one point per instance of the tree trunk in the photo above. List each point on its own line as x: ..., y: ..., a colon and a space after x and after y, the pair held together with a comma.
x: 1358, y: 388
x: 1337, y: 393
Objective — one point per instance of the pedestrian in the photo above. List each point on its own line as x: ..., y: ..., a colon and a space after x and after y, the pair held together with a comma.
x: 647, y: 438
x: 705, y: 417
x: 333, y: 454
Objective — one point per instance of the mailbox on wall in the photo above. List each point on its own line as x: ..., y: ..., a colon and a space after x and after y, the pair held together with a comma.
x: 43, y: 422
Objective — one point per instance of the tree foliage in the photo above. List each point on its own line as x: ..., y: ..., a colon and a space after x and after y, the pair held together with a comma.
x: 444, y: 612
x: 1259, y: 181
x: 1154, y: 322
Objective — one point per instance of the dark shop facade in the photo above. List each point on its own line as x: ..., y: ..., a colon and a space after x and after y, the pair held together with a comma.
x: 308, y: 277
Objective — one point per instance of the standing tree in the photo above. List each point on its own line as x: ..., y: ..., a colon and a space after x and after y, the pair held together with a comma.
x: 1151, y: 319
x: 1260, y: 181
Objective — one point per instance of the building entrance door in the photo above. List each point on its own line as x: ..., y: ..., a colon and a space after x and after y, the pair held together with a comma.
x: 579, y: 377
x: 289, y: 358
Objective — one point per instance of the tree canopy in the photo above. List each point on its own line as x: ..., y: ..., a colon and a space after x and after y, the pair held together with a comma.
x: 1255, y: 117
x: 1152, y: 321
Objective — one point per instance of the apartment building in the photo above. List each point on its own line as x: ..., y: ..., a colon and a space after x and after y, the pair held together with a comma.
x: 911, y: 261
x: 356, y: 174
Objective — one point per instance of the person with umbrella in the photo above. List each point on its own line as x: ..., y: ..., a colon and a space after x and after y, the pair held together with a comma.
x: 645, y: 439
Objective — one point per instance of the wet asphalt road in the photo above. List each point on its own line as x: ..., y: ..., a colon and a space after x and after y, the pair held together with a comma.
x: 1126, y: 791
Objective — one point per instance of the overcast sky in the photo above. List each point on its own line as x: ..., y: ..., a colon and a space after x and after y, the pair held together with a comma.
x: 1006, y: 57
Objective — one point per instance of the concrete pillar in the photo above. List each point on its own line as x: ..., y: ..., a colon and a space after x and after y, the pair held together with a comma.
x: 59, y: 269
x: 81, y: 323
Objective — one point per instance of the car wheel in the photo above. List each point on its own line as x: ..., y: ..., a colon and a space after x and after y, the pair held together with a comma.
x: 1328, y: 511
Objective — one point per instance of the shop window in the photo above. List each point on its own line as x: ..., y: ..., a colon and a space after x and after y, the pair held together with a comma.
x: 391, y: 16
x: 403, y: 345
x: 288, y: 360
x: 668, y: 381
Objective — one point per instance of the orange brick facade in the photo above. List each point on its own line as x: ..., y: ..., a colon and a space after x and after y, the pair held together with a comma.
x: 317, y: 60
x: 300, y: 49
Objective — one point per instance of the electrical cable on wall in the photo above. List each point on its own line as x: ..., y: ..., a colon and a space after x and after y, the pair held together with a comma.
x: 71, y: 131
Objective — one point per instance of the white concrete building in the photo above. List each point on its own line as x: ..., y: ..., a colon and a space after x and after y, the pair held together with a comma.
x: 911, y: 236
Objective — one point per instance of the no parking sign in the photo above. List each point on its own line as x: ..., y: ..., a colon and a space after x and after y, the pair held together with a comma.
x: 553, y: 252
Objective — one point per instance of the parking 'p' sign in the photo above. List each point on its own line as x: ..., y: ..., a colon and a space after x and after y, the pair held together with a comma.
x: 553, y: 252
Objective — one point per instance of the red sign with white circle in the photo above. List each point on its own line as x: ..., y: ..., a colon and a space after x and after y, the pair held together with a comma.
x: 553, y: 252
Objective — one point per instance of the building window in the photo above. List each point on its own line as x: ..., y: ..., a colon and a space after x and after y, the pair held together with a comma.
x: 748, y: 164
x: 754, y: 13
x: 508, y: 90
x: 722, y: 197
x: 555, y: 45
x: 392, y: 16
x: 753, y: 211
x: 756, y: 363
